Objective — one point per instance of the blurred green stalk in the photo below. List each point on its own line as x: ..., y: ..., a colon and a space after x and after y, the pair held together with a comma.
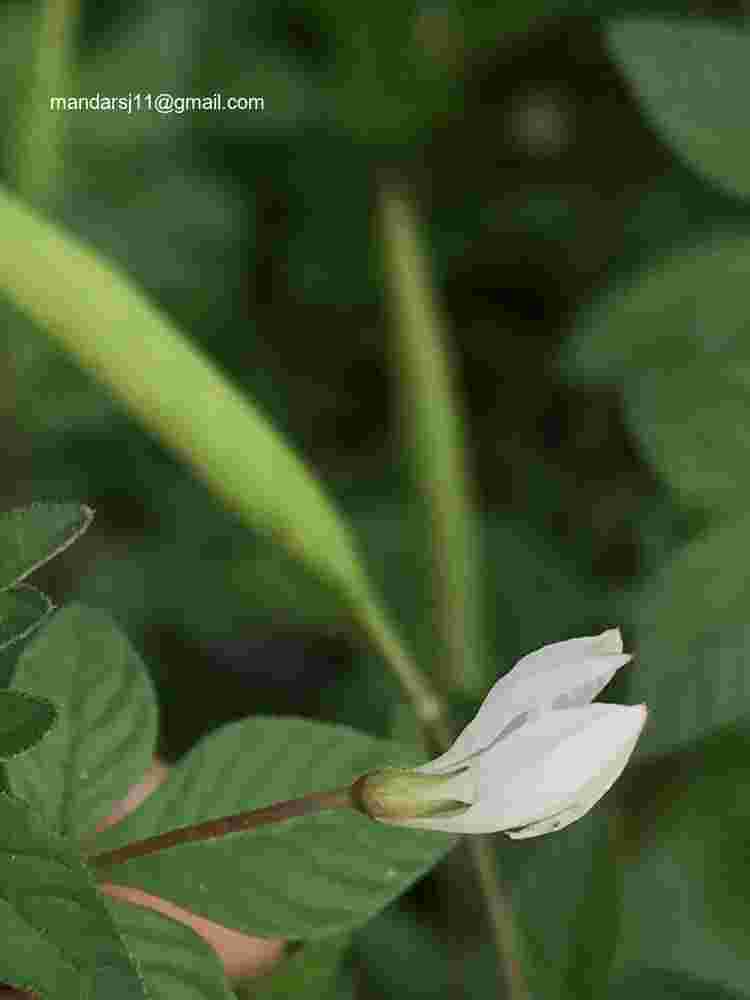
x: 177, y: 394
x: 434, y: 428
x: 37, y: 158
x: 435, y: 435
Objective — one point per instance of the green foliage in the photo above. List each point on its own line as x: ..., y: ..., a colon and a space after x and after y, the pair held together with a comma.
x: 694, y: 796
x: 690, y: 77
x: 58, y: 937
x: 662, y: 984
x: 105, y: 737
x: 305, y: 878
x: 22, y: 610
x: 310, y: 970
x: 31, y: 536
x: 675, y: 336
x: 253, y: 468
x: 667, y: 919
x: 24, y: 720
x: 567, y: 896
x: 176, y: 964
x: 675, y: 339
x: 254, y: 233
x: 400, y: 955
x: 692, y: 619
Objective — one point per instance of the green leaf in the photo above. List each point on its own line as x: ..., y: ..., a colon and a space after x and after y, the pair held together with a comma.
x: 567, y: 901
x: 701, y: 799
x: 687, y: 302
x: 691, y: 78
x: 58, y: 938
x: 106, y: 733
x: 693, y: 638
x: 393, y: 945
x: 696, y: 427
x: 22, y: 610
x: 303, y: 878
x: 676, y: 336
x: 175, y: 962
x: 310, y: 971
x: 649, y: 983
x: 666, y: 912
x: 24, y: 719
x: 33, y: 535
x: 434, y: 430
x: 116, y: 334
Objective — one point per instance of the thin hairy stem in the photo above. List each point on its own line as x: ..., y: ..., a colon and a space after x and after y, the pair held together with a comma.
x: 212, y: 829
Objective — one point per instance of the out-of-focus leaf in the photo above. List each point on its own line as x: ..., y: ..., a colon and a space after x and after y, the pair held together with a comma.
x: 24, y: 719
x: 696, y: 425
x: 22, y: 610
x: 304, y: 878
x: 310, y: 971
x: 666, y: 914
x: 649, y: 983
x: 401, y: 956
x: 175, y: 962
x: 106, y: 733
x: 57, y: 938
x: 693, y: 639
x: 31, y: 536
x: 684, y: 304
x: 125, y: 341
x: 691, y: 78
x: 676, y: 337
x: 703, y: 802
x: 567, y: 898
x: 434, y: 428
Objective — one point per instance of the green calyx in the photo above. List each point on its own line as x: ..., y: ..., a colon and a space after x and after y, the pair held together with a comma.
x: 399, y: 794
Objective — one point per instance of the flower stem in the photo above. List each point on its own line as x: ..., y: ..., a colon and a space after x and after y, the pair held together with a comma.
x: 501, y: 916
x: 307, y: 805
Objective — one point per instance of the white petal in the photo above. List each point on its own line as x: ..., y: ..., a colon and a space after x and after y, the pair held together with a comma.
x: 562, y: 675
x: 548, y: 773
x: 590, y: 793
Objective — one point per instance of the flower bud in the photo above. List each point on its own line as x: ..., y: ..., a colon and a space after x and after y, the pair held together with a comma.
x: 396, y: 794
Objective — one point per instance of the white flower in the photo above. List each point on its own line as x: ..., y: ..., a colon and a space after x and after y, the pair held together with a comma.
x: 535, y: 758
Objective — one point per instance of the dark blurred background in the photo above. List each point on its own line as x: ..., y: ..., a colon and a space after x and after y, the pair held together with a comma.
x: 540, y: 183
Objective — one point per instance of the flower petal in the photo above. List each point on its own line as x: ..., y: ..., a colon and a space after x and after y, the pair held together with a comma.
x: 590, y: 793
x: 548, y: 773
x: 562, y: 675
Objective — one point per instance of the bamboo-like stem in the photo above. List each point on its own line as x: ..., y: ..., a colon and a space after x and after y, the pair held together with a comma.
x: 37, y: 159
x: 433, y: 426
x: 212, y: 829
x: 501, y: 916
x: 427, y: 703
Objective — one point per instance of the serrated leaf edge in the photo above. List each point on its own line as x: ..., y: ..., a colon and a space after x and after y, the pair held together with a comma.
x: 51, y: 607
x: 45, y: 734
x: 92, y: 883
x: 88, y: 517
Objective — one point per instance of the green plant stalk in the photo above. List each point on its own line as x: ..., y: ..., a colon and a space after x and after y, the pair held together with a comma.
x: 501, y: 916
x: 37, y: 161
x: 433, y: 421
x: 94, y: 312
x: 434, y: 428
